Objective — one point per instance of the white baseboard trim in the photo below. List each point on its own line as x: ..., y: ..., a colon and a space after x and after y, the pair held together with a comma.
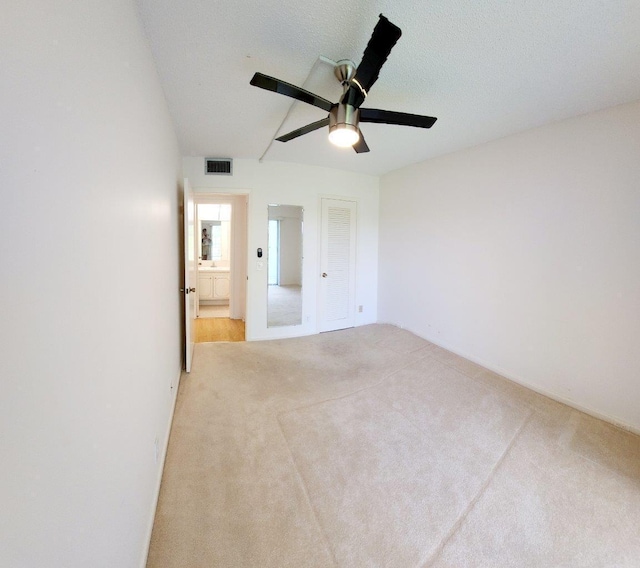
x: 519, y: 380
x: 163, y: 457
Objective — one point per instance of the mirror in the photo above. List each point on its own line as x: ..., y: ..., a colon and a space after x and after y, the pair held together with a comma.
x: 210, y: 239
x: 214, y: 226
x: 284, y: 266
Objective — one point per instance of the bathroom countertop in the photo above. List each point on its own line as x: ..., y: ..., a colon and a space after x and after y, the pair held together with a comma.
x: 213, y: 269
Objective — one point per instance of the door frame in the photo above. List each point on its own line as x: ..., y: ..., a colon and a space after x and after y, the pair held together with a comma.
x: 238, y: 267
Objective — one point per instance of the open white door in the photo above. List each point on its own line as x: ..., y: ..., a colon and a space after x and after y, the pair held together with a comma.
x: 337, y: 265
x: 190, y: 274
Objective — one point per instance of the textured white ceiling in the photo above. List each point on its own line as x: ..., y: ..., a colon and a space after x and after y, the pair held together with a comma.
x: 485, y: 68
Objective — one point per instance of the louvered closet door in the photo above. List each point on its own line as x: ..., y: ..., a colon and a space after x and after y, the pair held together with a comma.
x: 338, y: 265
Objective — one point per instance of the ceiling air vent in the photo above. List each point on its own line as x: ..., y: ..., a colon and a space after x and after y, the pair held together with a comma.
x: 218, y: 166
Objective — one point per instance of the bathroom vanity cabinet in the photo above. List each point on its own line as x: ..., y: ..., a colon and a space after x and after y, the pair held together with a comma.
x: 213, y: 285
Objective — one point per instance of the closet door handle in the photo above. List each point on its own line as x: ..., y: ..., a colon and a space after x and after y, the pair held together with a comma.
x: 324, y: 274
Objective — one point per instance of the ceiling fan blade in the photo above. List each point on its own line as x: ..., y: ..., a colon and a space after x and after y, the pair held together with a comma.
x: 304, y: 130
x: 385, y: 36
x: 289, y: 90
x: 361, y: 145
x: 391, y: 117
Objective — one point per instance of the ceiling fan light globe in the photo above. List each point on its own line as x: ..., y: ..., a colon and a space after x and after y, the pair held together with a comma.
x: 344, y: 135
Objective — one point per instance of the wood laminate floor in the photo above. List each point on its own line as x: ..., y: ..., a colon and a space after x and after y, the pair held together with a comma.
x: 219, y: 329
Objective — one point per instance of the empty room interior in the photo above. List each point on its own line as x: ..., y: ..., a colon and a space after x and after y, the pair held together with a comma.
x: 339, y: 284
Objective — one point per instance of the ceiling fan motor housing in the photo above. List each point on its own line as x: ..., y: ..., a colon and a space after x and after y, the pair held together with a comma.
x: 344, y: 117
x: 345, y: 70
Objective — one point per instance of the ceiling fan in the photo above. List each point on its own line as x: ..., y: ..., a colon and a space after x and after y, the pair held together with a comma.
x: 345, y: 116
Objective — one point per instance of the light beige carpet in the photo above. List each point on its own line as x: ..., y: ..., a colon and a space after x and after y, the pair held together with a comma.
x: 371, y: 447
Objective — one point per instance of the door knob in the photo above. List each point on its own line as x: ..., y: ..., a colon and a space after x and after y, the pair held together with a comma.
x: 192, y: 289
x: 324, y: 274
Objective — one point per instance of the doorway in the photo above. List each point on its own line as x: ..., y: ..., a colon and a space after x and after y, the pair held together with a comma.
x: 221, y: 267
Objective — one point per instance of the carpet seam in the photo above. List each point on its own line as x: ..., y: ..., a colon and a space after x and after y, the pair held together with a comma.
x: 293, y: 459
x: 319, y: 525
x: 368, y: 387
x: 378, y: 341
x: 456, y: 526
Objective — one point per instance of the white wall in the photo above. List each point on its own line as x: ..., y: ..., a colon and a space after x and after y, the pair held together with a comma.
x: 90, y: 326
x: 294, y: 184
x: 524, y: 255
